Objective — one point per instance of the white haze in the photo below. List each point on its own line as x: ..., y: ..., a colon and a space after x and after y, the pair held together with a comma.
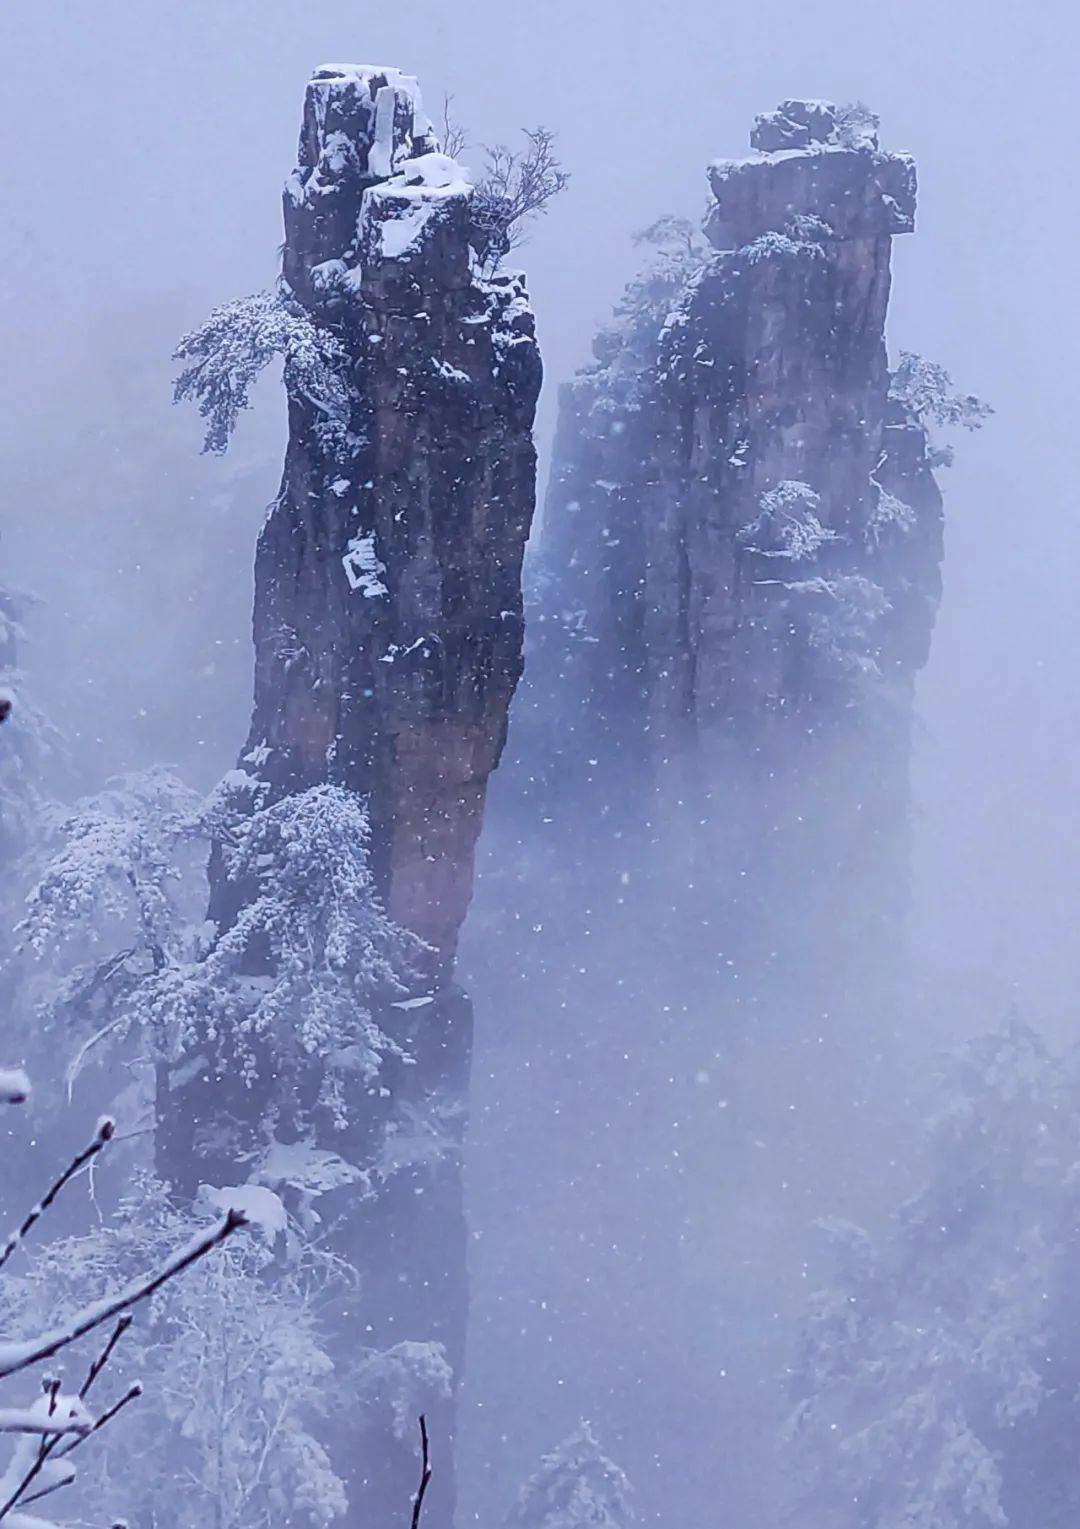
x: 145, y: 142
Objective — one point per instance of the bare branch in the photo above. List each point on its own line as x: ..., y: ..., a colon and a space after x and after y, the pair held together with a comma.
x: 455, y: 138
x: 20, y: 1356
x: 102, y: 1135
x: 103, y: 1358
x: 130, y: 1395
x: 64, y: 1481
x: 517, y: 185
x: 425, y: 1473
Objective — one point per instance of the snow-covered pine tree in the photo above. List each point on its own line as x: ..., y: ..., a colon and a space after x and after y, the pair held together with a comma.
x: 576, y: 1487
x: 278, y: 1000
x: 935, y: 1381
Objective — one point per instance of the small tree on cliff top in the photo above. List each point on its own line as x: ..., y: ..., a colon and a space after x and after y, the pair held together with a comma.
x: 516, y: 186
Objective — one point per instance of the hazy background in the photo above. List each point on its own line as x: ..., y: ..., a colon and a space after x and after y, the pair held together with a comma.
x: 144, y: 146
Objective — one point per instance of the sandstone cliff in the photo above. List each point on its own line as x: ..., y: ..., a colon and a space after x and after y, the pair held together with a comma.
x: 388, y: 642
x: 702, y: 829
x: 749, y: 519
x: 388, y: 618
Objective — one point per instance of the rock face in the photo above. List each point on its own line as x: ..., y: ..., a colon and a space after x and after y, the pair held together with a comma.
x: 736, y: 586
x: 388, y: 613
x: 388, y: 642
x: 753, y: 527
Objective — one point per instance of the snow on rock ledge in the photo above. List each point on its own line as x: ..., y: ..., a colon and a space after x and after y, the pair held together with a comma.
x: 810, y: 155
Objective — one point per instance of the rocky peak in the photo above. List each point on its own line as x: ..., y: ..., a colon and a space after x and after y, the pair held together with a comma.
x: 812, y: 158
x: 370, y: 185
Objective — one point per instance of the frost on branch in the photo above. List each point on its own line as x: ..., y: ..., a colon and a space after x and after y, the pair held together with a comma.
x: 229, y: 350
x: 57, y: 1423
x: 925, y: 391
x: 406, y: 1379
x: 576, y: 1487
x: 311, y: 950
x: 236, y: 1374
x: 118, y: 900
x: 788, y: 526
x: 292, y: 982
x: 115, y: 862
x: 841, y: 615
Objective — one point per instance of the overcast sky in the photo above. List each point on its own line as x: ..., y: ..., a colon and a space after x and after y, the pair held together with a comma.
x: 144, y: 147
x: 145, y: 142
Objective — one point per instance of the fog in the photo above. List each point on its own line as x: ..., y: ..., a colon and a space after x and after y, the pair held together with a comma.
x: 145, y: 145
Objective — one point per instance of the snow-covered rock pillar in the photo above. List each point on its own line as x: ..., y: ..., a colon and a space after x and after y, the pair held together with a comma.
x: 703, y: 483
x: 750, y: 526
x: 388, y: 643
x: 740, y: 574
x: 388, y: 613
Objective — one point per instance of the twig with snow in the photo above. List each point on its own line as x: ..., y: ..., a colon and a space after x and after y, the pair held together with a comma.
x: 20, y: 1356
x: 101, y: 1137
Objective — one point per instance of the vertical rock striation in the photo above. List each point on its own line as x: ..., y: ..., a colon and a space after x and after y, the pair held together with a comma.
x: 388, y: 614
x: 735, y: 589
x: 749, y: 526
x: 388, y: 643
x: 753, y: 449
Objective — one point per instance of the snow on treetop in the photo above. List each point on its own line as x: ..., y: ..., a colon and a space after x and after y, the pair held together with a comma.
x: 258, y: 1205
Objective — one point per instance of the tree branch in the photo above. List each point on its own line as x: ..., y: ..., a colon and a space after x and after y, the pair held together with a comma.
x: 20, y: 1356
x: 425, y: 1473
x: 101, y: 1137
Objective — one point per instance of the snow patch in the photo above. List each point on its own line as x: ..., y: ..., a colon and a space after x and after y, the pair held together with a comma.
x: 363, y: 568
x: 261, y: 1207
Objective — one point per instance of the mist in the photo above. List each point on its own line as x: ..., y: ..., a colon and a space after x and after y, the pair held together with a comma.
x: 640, y: 1205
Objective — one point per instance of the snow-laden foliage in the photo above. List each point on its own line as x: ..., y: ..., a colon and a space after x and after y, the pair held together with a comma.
x: 788, y: 526
x: 28, y: 743
x: 841, y: 613
x: 925, y: 390
x: 40, y: 1323
x: 228, y: 351
x: 292, y: 980
x: 311, y: 949
x: 117, y: 901
x: 576, y: 1487
x: 857, y: 126
x: 774, y: 245
x: 889, y: 515
x: 115, y: 864
x: 235, y: 1370
x: 405, y: 1379
x: 936, y: 1379
x: 676, y: 251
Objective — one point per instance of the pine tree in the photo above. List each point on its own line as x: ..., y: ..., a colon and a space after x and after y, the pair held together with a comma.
x: 576, y: 1487
x: 936, y: 1379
